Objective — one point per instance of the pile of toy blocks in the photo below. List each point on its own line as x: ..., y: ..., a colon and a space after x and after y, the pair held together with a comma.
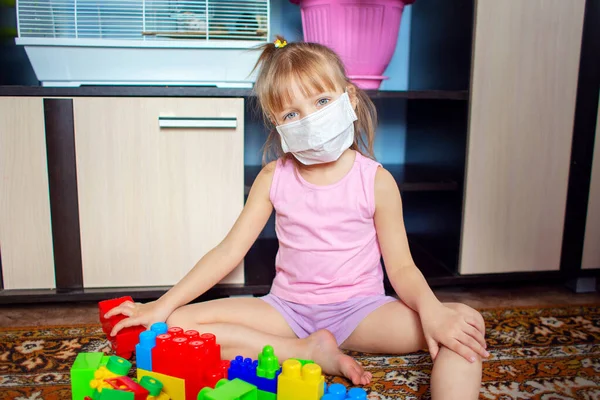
x: 96, y: 376
x: 186, y: 365
x: 184, y: 361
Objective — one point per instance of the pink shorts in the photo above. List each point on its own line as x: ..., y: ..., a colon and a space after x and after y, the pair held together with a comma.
x: 341, y: 319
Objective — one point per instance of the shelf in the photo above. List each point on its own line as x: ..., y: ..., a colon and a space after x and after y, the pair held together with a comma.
x: 410, y: 178
x: 200, y: 91
x: 422, y: 178
x: 22, y: 296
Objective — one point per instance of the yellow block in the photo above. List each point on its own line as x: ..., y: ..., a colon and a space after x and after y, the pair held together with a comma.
x: 161, y: 396
x: 173, y: 387
x: 300, y: 383
x: 101, y: 374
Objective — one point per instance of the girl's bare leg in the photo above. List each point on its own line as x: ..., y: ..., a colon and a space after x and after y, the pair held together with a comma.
x: 453, y: 377
x: 243, y: 326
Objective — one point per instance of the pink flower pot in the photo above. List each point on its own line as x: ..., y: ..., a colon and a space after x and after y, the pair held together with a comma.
x: 362, y: 32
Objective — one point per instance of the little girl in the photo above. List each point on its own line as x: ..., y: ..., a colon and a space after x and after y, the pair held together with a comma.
x: 337, y: 213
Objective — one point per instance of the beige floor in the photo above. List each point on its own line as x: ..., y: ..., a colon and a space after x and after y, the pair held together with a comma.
x: 486, y: 297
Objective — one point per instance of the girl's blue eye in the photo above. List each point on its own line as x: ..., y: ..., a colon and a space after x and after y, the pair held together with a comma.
x: 323, y: 101
x: 289, y: 116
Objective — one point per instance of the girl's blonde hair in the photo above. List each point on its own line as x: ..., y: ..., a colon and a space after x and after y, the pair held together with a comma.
x: 315, y: 68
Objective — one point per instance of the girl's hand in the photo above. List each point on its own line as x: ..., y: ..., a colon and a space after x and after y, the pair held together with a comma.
x: 462, y: 332
x: 139, y: 314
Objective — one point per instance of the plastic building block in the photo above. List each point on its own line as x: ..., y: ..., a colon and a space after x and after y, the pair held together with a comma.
x: 153, y: 386
x: 262, y: 373
x: 229, y: 390
x: 192, y: 334
x: 175, y: 331
x: 114, y: 394
x: 82, y: 373
x: 143, y: 350
x: 159, y: 328
x: 247, y: 370
x: 212, y: 348
x: 173, y: 387
x: 304, y: 362
x: 123, y: 344
x: 115, y: 367
x: 262, y: 395
x: 189, y: 356
x: 268, y: 365
x: 160, y: 354
x: 125, y: 384
x: 337, y: 391
x: 300, y: 382
x: 215, y: 372
x: 118, y: 365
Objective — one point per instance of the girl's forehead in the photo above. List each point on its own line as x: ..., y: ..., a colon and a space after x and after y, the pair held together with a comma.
x: 297, y: 90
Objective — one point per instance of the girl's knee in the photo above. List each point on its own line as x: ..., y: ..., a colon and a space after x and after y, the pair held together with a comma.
x: 467, y: 311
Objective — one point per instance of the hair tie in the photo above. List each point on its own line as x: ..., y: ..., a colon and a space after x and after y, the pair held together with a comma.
x: 280, y: 44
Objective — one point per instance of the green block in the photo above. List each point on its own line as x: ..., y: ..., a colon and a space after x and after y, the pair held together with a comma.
x: 113, y: 394
x: 267, y: 363
x: 118, y: 365
x: 82, y: 373
x: 154, y: 386
x: 262, y: 395
x: 304, y: 362
x: 236, y: 389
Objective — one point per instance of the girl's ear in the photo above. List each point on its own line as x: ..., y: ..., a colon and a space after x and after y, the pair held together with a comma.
x: 351, y: 89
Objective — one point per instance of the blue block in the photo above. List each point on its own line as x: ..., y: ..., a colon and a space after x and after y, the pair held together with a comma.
x: 143, y: 350
x: 159, y: 328
x: 245, y: 369
x: 337, y: 391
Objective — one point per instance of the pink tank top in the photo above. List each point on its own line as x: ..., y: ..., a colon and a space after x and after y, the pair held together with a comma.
x: 328, y: 248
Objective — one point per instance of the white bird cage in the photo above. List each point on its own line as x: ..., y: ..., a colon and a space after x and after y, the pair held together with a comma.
x: 143, y: 42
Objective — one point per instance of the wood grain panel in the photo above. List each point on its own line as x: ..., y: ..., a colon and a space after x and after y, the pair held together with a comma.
x: 524, y: 81
x: 154, y: 201
x: 591, y: 244
x: 25, y: 230
x: 64, y: 204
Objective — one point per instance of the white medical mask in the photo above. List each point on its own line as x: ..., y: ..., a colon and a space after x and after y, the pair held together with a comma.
x: 322, y: 136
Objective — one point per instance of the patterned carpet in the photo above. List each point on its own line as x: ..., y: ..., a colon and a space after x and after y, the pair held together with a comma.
x: 549, y: 353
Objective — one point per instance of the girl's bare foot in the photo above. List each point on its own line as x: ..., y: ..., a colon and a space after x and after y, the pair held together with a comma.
x: 323, y: 350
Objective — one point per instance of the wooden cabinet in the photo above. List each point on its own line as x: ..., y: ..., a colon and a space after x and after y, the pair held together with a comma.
x: 523, y: 89
x: 25, y: 229
x: 160, y: 182
x: 591, y: 244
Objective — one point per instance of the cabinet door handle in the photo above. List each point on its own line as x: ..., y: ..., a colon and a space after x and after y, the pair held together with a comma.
x: 197, y: 122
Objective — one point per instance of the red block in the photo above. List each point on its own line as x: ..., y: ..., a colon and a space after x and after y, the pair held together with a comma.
x: 160, y: 354
x: 194, y: 380
x: 124, y: 343
x: 179, y: 351
x: 126, y: 340
x: 125, y: 384
x: 191, y: 334
x: 175, y: 331
x: 212, y: 348
x: 216, y: 372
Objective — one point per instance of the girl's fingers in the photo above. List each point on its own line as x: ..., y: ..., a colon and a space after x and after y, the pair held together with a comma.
x: 125, y: 323
x: 475, y: 334
x: 472, y: 344
x: 476, y: 321
x: 463, y: 350
x: 128, y: 312
x: 119, y: 309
